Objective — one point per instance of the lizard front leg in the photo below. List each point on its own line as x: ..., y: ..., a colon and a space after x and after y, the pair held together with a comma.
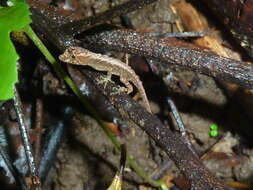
x: 105, y: 79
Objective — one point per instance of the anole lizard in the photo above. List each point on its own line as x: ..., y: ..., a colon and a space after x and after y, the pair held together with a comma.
x: 81, y: 56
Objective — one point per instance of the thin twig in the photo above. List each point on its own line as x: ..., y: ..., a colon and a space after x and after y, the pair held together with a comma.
x: 180, y: 34
x: 177, y: 117
x: 180, y: 123
x: 38, y: 128
x: 26, y: 140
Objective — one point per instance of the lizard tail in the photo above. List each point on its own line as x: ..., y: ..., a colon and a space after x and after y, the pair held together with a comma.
x: 147, y: 105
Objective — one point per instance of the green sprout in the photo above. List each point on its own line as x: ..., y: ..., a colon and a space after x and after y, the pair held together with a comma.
x: 213, y: 130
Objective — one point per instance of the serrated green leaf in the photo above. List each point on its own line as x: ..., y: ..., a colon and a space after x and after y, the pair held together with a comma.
x: 11, y: 18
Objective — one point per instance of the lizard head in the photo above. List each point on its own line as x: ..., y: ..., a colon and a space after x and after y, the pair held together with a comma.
x: 72, y: 54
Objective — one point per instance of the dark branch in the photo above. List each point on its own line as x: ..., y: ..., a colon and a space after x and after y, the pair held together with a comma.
x: 76, y: 27
x: 188, y: 163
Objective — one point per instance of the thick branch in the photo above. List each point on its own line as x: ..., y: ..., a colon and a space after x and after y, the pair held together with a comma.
x: 171, y: 143
x: 106, y: 110
x: 174, y: 51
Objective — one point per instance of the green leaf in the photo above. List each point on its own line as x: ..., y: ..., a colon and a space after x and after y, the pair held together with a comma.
x: 11, y: 18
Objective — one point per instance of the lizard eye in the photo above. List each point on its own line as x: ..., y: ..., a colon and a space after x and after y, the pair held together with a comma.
x: 73, y: 56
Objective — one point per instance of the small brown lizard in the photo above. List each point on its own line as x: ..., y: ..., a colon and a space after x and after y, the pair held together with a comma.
x: 81, y: 56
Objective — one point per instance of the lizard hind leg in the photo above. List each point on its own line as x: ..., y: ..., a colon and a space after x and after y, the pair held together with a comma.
x: 128, y: 85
